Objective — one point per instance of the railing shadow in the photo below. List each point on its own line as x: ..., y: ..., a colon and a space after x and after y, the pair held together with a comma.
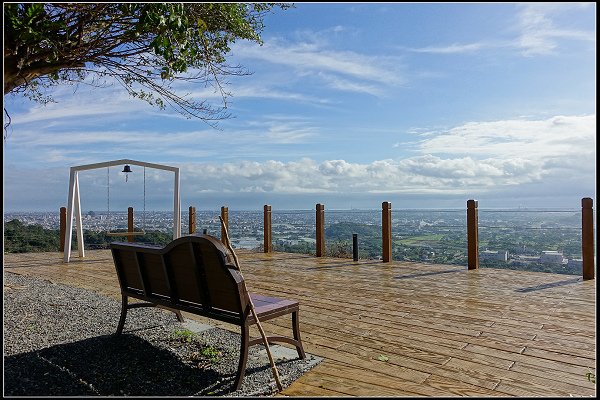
x: 345, y: 264
x: 421, y: 274
x: 548, y: 285
x: 123, y: 365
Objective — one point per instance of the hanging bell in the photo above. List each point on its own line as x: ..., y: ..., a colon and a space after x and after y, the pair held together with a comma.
x: 127, y: 170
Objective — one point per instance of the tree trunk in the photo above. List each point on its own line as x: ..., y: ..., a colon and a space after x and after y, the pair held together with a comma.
x: 13, y: 77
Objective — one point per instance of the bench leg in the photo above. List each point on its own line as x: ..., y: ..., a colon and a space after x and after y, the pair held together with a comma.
x: 123, y: 314
x: 245, y: 338
x: 179, y: 316
x: 296, y: 329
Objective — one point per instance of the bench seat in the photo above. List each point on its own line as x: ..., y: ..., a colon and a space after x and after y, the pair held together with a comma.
x: 195, y: 274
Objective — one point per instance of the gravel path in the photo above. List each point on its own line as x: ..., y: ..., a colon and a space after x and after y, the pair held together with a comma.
x: 58, y: 342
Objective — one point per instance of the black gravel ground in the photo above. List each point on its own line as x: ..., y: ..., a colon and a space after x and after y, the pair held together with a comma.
x: 58, y: 341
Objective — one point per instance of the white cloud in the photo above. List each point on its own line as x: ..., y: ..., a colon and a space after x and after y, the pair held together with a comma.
x: 103, y: 102
x: 346, y: 85
x: 455, y: 48
x: 536, y: 33
x: 268, y: 93
x: 342, y: 70
x: 88, y: 141
x: 555, y: 137
x: 478, y: 155
x: 515, y: 156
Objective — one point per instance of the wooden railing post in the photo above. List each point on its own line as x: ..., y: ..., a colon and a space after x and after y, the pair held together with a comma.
x: 386, y: 231
x: 320, y: 226
x: 130, y: 238
x: 63, y: 227
x: 268, y: 243
x: 472, y: 235
x: 225, y: 216
x: 192, y: 220
x: 587, y: 237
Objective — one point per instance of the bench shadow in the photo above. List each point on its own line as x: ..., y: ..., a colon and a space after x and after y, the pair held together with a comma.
x: 107, y: 366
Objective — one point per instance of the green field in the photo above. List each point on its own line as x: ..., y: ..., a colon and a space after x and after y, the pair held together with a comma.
x: 420, y: 240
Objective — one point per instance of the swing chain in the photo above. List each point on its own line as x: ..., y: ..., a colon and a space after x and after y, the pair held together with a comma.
x: 108, y: 198
x: 144, y: 214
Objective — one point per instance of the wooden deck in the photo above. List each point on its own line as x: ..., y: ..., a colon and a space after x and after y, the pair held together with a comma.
x: 443, y: 330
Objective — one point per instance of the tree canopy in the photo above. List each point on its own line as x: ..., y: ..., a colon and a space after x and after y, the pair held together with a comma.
x: 146, y: 47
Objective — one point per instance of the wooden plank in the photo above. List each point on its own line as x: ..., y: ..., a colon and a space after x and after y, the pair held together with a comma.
x: 488, y: 382
x: 557, y: 365
x: 446, y: 331
x: 301, y: 389
x: 578, y: 379
x: 454, y: 387
x: 380, y: 378
x: 437, y: 354
x: 556, y: 344
x: 369, y: 364
x: 527, y: 389
x: 513, y: 380
x: 560, y: 356
x: 350, y: 387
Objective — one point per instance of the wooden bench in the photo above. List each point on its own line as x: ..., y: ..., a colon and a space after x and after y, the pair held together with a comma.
x: 194, y: 274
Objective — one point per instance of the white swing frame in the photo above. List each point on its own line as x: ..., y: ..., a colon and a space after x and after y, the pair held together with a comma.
x: 74, y: 201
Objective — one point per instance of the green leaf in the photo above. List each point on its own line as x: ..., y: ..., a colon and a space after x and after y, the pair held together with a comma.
x: 383, y: 358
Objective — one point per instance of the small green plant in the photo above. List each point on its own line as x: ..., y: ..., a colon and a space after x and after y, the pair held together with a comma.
x: 591, y: 377
x: 206, y: 353
x: 184, y: 335
x: 211, y: 353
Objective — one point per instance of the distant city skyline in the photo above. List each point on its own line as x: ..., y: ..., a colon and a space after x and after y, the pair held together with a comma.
x: 425, y: 105
x: 516, y: 238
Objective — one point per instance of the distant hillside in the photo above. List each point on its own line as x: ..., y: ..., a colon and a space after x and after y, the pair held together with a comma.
x: 22, y: 238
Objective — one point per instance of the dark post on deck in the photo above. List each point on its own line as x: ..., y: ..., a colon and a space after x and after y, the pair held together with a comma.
x: 587, y: 237
x: 355, y: 246
x: 268, y: 243
x: 192, y: 220
x: 320, y: 217
x: 472, y: 235
x: 130, y: 238
x: 386, y: 231
x: 63, y: 227
x: 225, y: 216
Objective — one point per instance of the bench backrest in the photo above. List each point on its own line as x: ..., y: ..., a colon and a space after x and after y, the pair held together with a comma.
x: 191, y: 273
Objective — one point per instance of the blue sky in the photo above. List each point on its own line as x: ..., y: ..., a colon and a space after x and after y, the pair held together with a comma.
x: 349, y: 104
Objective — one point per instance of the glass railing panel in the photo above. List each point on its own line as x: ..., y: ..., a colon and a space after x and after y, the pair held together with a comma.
x: 541, y: 240
x: 531, y: 240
